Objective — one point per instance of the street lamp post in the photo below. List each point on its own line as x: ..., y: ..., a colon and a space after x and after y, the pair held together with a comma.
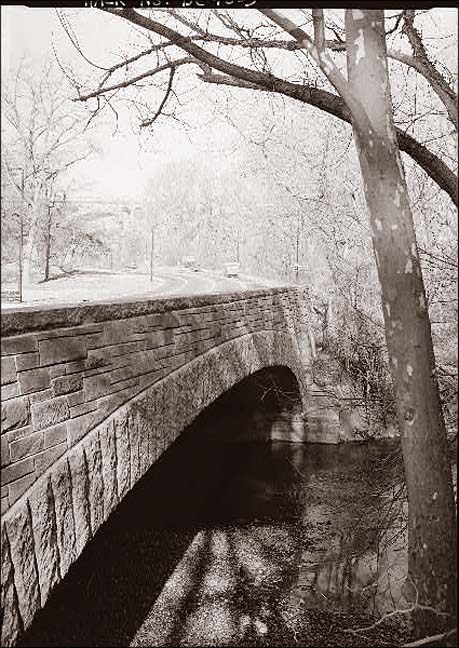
x: 21, y: 231
x: 48, y: 240
x: 152, y: 251
x: 21, y: 236
x: 299, y: 231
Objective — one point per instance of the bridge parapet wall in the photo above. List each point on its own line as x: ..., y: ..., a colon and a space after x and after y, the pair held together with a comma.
x: 91, y: 397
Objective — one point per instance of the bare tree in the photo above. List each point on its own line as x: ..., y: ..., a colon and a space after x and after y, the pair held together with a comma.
x: 190, y: 211
x: 44, y: 136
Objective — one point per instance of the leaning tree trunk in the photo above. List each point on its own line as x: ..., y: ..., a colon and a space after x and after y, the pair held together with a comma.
x: 431, y: 525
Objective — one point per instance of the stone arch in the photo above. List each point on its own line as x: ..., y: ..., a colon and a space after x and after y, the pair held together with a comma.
x: 265, y: 406
x: 45, y: 531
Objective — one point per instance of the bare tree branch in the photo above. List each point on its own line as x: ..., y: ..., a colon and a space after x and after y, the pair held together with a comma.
x: 432, y: 76
x: 424, y: 66
x: 149, y: 122
x: 133, y: 80
x: 188, y: 23
x: 66, y: 27
x: 326, y: 101
x: 332, y: 104
x: 432, y: 640
x: 323, y: 60
x: 125, y: 63
x: 396, y: 24
x: 319, y: 28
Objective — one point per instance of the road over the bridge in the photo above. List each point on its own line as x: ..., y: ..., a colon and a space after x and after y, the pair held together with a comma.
x: 92, y: 285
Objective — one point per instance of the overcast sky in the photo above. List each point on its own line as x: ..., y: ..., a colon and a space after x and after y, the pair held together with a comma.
x: 123, y: 167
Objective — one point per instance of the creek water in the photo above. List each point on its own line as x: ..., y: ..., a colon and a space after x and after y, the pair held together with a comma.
x: 238, y: 544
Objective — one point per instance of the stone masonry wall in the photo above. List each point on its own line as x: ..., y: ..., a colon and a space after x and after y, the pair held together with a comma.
x: 87, y: 409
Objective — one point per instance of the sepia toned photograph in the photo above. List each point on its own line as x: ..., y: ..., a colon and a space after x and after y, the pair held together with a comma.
x: 229, y: 365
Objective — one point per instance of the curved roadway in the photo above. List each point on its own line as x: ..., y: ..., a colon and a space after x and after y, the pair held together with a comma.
x: 187, y: 282
x: 95, y: 285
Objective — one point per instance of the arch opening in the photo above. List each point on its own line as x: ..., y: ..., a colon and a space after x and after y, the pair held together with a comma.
x: 177, y: 510
x: 264, y: 406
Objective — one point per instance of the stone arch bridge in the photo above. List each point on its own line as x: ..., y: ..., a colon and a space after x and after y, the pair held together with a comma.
x: 93, y: 394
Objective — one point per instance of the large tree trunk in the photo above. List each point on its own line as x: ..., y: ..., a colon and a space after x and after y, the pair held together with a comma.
x: 432, y: 525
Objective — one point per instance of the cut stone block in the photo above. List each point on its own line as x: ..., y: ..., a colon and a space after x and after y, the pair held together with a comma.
x: 62, y: 349
x: 15, y: 413
x: 48, y: 413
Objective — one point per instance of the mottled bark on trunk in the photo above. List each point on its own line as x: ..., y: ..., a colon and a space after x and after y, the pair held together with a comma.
x: 432, y: 525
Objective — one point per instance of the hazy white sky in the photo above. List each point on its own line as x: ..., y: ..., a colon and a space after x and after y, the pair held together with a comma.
x: 124, y: 167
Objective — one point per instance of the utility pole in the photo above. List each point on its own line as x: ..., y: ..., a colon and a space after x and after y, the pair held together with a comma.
x: 297, y: 266
x: 152, y: 250
x: 48, y: 241
x: 21, y: 234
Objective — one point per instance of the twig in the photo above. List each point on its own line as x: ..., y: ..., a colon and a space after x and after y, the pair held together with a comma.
x: 362, y: 636
x: 432, y: 639
x: 425, y: 608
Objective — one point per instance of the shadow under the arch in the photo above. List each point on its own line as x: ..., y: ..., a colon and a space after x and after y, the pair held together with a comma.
x: 201, y: 482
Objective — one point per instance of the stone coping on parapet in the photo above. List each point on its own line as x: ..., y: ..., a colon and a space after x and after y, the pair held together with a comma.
x: 37, y: 317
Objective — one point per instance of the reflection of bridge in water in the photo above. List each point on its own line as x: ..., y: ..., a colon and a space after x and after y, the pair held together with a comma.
x: 93, y: 395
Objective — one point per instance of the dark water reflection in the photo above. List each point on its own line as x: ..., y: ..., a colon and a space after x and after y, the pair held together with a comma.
x: 228, y: 544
